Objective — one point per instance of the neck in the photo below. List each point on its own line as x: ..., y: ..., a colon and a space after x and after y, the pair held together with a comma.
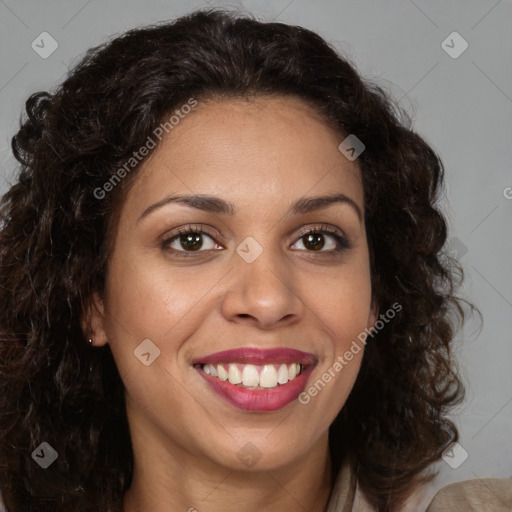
x: 169, y: 477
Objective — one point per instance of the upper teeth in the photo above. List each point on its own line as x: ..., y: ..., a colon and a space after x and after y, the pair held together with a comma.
x: 251, y: 376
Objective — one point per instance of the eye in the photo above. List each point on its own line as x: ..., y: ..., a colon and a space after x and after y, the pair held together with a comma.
x: 314, y: 240
x: 189, y: 240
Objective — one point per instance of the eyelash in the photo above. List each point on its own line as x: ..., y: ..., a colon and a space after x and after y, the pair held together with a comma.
x: 342, y: 242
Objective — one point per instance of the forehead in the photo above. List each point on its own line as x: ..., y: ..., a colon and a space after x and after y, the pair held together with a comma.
x: 263, y: 148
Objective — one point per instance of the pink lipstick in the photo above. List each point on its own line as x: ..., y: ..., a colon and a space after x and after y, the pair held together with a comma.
x: 259, y: 380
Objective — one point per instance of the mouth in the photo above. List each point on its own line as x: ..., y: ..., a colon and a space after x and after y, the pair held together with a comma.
x: 257, y: 380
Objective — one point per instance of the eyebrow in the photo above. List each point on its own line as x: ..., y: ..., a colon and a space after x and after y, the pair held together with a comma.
x: 214, y: 204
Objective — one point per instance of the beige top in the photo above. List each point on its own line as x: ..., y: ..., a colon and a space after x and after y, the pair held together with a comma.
x: 483, y: 494
x: 347, y: 496
x: 479, y: 495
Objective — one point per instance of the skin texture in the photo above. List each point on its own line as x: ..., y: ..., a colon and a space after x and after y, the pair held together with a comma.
x: 261, y: 155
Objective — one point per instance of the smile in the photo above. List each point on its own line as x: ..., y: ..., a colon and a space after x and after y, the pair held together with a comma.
x: 255, y: 379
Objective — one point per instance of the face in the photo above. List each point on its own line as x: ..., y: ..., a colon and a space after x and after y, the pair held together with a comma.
x: 252, y: 281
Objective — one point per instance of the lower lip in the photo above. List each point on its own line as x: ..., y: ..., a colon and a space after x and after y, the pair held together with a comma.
x: 259, y: 400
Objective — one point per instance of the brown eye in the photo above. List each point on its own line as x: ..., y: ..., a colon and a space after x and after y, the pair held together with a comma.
x: 192, y: 241
x: 189, y: 240
x: 315, y: 240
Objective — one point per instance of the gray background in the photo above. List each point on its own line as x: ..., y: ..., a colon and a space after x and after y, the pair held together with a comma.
x: 462, y: 106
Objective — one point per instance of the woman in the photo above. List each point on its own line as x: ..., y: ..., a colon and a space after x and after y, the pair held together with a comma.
x: 224, y: 282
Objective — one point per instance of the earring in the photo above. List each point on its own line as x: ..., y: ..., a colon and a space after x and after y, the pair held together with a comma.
x: 90, y: 338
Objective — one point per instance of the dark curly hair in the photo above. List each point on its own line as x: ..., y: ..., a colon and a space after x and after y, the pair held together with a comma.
x: 56, y: 237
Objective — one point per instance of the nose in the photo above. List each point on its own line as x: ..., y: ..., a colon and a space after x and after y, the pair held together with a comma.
x: 262, y: 293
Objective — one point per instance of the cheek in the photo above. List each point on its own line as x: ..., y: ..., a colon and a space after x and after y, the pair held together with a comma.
x: 344, y: 310
x: 147, y: 301
x: 343, y: 305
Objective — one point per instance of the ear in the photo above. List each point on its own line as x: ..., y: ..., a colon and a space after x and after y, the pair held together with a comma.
x: 93, y: 321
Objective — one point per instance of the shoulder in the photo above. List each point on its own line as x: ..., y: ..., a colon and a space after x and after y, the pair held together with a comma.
x: 474, y: 495
x: 478, y: 495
